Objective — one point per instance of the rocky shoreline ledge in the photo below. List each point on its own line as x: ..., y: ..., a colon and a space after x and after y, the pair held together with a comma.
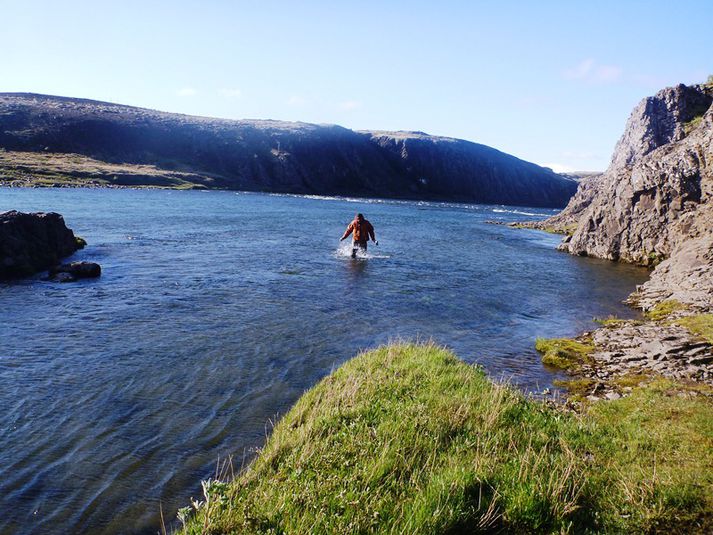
x: 653, y: 207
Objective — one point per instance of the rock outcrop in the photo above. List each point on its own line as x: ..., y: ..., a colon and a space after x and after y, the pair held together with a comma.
x: 179, y: 150
x: 653, y: 206
x: 30, y: 243
x: 659, y: 178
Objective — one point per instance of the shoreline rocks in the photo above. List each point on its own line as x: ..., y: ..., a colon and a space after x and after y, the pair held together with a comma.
x: 631, y: 352
x: 31, y: 243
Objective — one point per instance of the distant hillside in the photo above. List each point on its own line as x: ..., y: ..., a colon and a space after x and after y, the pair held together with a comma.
x: 85, y: 141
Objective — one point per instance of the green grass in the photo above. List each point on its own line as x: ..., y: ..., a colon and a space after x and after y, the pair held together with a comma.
x: 408, y: 439
x: 699, y: 324
x: 657, y: 447
x: 653, y: 259
x: 664, y: 309
x: 564, y: 353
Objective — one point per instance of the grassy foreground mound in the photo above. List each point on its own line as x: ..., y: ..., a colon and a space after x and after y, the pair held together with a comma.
x: 409, y: 439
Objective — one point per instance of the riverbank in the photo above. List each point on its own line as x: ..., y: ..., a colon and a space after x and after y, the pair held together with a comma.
x: 57, y: 170
x: 671, y: 342
x: 409, y: 439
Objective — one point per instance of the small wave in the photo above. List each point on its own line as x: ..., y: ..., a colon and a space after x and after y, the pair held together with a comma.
x: 365, y: 200
x: 502, y: 211
x: 345, y: 251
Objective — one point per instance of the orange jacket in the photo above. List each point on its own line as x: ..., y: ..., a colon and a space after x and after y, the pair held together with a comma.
x: 363, y: 230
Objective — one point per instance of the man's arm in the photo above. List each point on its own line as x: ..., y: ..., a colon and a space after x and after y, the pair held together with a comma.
x: 371, y: 233
x: 347, y: 232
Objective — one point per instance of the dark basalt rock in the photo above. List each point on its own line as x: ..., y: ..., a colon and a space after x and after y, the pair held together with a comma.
x: 75, y: 270
x: 30, y: 243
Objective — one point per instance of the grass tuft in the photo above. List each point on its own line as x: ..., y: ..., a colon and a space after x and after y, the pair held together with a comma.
x: 631, y: 380
x: 664, y: 309
x: 408, y: 439
x: 610, y: 321
x: 699, y: 324
x: 578, y: 389
x: 564, y: 353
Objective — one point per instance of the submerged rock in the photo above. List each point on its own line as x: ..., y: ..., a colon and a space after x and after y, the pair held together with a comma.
x: 63, y: 277
x: 75, y: 270
x: 30, y: 243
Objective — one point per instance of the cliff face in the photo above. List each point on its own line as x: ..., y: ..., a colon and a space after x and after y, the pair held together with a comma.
x: 654, y: 201
x: 657, y: 121
x: 454, y: 168
x: 276, y: 156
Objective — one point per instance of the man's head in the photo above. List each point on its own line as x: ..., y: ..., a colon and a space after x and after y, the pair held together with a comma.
x: 359, y: 217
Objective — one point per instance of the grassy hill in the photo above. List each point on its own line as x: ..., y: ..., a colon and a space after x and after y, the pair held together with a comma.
x: 408, y: 439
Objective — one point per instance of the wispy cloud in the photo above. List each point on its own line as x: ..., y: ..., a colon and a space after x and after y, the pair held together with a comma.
x: 231, y: 93
x: 558, y: 167
x: 186, y: 92
x: 349, y: 104
x: 590, y: 71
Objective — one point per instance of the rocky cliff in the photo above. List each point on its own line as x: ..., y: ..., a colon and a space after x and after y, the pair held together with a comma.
x: 646, y: 201
x: 173, y: 149
x: 653, y: 204
x: 33, y: 242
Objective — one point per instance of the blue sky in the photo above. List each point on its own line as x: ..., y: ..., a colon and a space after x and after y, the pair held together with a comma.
x: 550, y: 82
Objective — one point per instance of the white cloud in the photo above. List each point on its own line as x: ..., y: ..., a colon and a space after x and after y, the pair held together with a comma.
x: 349, y: 104
x: 231, y: 93
x: 186, y: 92
x: 590, y: 71
x: 559, y: 167
x: 296, y: 100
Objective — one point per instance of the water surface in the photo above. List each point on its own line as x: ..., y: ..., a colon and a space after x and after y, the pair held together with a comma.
x: 216, y: 310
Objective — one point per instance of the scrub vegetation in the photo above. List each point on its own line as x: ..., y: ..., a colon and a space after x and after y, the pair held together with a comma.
x: 46, y: 169
x: 409, y: 439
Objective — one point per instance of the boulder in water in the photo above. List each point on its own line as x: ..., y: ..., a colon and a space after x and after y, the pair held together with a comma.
x: 75, y: 270
x: 30, y: 243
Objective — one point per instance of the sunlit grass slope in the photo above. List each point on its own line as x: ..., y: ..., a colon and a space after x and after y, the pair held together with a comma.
x: 409, y: 439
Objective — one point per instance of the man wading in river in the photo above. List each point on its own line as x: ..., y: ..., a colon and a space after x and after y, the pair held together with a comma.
x: 362, y: 230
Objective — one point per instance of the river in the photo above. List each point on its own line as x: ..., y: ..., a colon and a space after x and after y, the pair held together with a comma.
x: 216, y: 310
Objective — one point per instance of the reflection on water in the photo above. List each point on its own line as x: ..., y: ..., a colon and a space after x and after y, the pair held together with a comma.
x: 215, y: 311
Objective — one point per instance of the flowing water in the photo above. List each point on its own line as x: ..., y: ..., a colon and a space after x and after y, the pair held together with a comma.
x: 216, y: 310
